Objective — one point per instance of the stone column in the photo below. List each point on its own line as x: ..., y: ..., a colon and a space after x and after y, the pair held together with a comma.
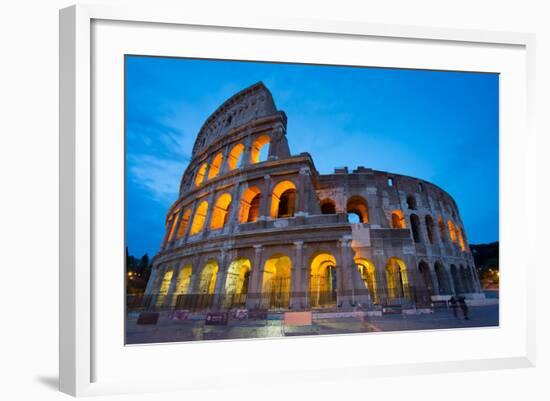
x: 225, y: 160
x: 255, y: 283
x: 297, y: 290
x: 435, y: 282
x: 450, y: 279
x: 246, y: 153
x: 155, y: 288
x: 379, y: 260
x: 265, y: 205
x: 346, y: 295
x: 178, y: 223
x: 221, y: 277
x: 302, y: 191
x: 233, y: 211
x: 208, y: 218
x: 190, y: 222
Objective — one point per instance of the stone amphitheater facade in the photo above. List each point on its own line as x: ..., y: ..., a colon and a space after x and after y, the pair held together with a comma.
x: 259, y: 228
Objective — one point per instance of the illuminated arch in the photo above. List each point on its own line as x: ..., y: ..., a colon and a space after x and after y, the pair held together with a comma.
x: 260, y: 144
x: 215, y: 166
x: 235, y: 156
x: 200, y: 174
x: 199, y: 218
x: 209, y: 273
x: 174, y: 222
x: 460, y: 239
x: 283, y: 199
x: 368, y: 275
x: 398, y: 219
x: 359, y: 206
x: 165, y: 286
x: 322, y: 282
x: 238, y: 275
x: 328, y: 206
x: 184, y: 223
x: 452, y: 231
x: 276, y: 281
x: 220, y: 213
x: 249, y: 209
x: 184, y: 280
x: 397, y: 279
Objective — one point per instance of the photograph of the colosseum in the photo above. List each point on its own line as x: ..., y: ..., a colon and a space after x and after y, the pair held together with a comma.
x: 279, y: 199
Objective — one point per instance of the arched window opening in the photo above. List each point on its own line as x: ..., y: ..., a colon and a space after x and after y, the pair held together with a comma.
x: 200, y: 217
x: 460, y: 239
x: 250, y: 205
x: 415, y: 227
x: 174, y: 222
x: 359, y: 206
x: 411, y: 202
x: 165, y: 286
x: 390, y: 182
x: 184, y: 280
x: 424, y: 271
x: 276, y: 282
x: 328, y: 207
x: 215, y: 166
x: 184, y: 223
x: 260, y: 149
x: 220, y: 213
x: 452, y: 231
x: 200, y: 174
x: 207, y: 284
x: 283, y: 200
x: 368, y: 275
x: 430, y: 228
x: 235, y: 156
x: 236, y: 284
x: 396, y: 279
x: 420, y: 187
x: 323, y: 280
x: 398, y: 219
x: 442, y: 279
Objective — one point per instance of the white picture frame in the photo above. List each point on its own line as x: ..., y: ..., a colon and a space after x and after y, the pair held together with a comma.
x: 79, y: 315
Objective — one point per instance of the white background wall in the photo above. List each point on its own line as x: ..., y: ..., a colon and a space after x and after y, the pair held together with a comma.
x: 29, y: 195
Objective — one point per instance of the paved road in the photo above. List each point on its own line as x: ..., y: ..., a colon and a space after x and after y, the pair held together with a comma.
x: 176, y: 331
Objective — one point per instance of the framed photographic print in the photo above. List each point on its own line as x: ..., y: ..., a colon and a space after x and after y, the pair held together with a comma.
x: 285, y: 196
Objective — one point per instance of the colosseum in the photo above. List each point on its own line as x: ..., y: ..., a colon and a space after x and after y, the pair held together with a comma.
x: 257, y: 227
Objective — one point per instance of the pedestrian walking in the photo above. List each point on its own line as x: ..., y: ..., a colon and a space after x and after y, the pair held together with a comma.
x: 464, y: 307
x: 454, y: 306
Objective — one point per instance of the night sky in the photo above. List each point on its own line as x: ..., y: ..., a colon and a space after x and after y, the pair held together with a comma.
x: 438, y: 126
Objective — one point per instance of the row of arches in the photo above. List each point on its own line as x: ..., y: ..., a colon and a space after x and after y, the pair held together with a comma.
x: 325, y: 277
x: 283, y: 204
x: 455, y: 234
x: 258, y: 153
x: 357, y: 208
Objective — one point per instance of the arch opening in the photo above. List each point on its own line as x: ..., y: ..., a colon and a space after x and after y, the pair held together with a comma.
x: 220, y: 214
x: 200, y: 174
x: 164, y: 286
x: 411, y: 202
x: 415, y: 228
x: 452, y: 231
x: 236, y: 284
x: 260, y: 149
x: 368, y: 275
x: 442, y: 279
x: 398, y: 219
x: 328, y: 206
x: 430, y: 228
x: 323, y: 280
x: 283, y: 200
x: 199, y: 218
x: 234, y: 159
x: 250, y: 205
x: 359, y: 206
x: 276, y: 282
x: 207, y: 284
x: 184, y: 222
x: 396, y: 279
x: 215, y: 166
x: 424, y: 270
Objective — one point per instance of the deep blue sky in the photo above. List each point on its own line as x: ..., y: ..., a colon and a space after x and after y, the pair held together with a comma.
x: 438, y: 126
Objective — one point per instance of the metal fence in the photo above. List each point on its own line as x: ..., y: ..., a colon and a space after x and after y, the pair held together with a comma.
x: 409, y: 296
